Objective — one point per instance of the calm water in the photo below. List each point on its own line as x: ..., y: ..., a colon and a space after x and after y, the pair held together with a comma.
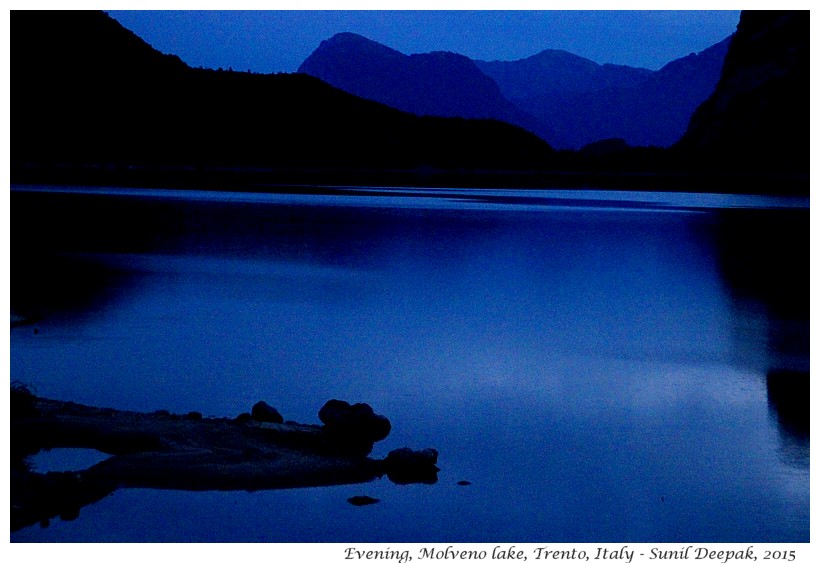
x: 598, y: 365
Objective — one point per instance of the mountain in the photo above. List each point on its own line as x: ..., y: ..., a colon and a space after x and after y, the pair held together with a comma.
x: 86, y: 91
x: 565, y: 99
x: 554, y: 73
x: 758, y: 115
x: 89, y: 96
x: 584, y: 102
x: 436, y: 84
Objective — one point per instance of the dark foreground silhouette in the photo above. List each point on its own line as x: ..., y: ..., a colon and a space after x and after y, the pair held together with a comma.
x: 189, y: 452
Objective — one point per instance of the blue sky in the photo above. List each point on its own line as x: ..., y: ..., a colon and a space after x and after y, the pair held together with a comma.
x: 278, y: 41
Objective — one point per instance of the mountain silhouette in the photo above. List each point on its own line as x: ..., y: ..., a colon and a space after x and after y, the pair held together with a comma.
x: 436, y: 84
x: 554, y: 72
x: 758, y: 115
x: 91, y: 101
x: 584, y: 102
x: 567, y: 100
x: 89, y: 92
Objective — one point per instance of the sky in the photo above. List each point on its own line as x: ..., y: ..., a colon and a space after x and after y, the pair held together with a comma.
x: 279, y: 40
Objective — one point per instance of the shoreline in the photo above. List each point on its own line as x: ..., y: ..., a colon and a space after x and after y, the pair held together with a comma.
x: 189, y: 452
x: 314, y: 180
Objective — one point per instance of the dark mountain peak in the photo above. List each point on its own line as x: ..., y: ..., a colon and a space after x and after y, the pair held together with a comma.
x: 349, y: 41
x: 349, y: 37
x: 550, y: 56
x: 554, y: 72
x: 68, y: 43
x: 440, y: 83
x: 334, y: 57
x: 89, y: 93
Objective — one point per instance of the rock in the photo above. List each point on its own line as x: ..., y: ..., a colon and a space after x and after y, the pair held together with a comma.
x: 154, y: 451
x: 263, y: 412
x: 358, y: 420
x: 351, y: 430
x: 21, y: 401
x: 244, y: 417
x: 463, y: 483
x: 362, y: 500
x: 404, y: 466
x: 194, y: 415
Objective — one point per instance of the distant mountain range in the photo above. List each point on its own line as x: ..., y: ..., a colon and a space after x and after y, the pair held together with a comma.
x: 87, y: 95
x: 567, y: 100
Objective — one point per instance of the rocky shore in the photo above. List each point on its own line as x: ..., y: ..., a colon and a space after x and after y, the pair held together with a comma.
x: 254, y: 451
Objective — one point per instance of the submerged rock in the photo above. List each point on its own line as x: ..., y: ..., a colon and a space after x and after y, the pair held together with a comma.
x: 362, y: 500
x: 263, y: 412
x: 404, y: 466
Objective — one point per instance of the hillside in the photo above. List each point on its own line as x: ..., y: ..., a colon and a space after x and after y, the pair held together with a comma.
x: 87, y: 91
x: 583, y: 102
x: 758, y: 116
x: 92, y: 102
x: 435, y: 84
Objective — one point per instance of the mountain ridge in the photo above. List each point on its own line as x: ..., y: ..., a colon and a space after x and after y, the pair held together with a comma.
x: 95, y: 103
x: 565, y: 99
x: 130, y: 104
x: 422, y: 84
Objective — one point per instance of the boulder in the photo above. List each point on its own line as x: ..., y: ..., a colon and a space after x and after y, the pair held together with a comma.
x: 354, y: 421
x: 243, y: 418
x: 263, y: 412
x: 351, y: 430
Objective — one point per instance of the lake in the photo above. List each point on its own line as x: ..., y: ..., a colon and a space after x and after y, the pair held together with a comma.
x: 600, y: 366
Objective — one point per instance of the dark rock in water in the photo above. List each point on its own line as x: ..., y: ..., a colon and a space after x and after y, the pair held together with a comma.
x: 21, y: 401
x: 362, y: 500
x: 352, y: 429
x: 263, y: 412
x: 463, y: 483
x: 404, y: 466
x: 194, y: 415
x: 162, y: 412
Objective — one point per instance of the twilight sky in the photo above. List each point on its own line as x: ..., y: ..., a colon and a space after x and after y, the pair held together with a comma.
x: 278, y: 41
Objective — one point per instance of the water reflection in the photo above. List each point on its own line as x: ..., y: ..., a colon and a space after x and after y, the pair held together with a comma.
x: 764, y: 260
x: 789, y: 401
x: 597, y: 373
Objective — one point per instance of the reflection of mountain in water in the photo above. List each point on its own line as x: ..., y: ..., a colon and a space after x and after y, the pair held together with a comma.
x: 764, y: 259
x: 764, y: 262
x: 788, y: 393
